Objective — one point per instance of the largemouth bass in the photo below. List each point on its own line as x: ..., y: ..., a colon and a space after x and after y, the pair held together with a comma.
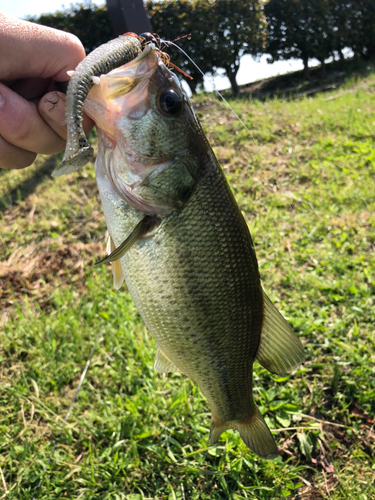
x: 180, y: 242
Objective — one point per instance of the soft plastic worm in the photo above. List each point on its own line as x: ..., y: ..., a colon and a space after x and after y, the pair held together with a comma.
x: 102, y: 60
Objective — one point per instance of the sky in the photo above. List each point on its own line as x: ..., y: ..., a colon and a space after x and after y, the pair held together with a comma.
x: 249, y: 71
x: 23, y: 8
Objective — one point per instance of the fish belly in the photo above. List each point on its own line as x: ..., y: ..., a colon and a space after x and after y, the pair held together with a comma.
x: 196, y: 285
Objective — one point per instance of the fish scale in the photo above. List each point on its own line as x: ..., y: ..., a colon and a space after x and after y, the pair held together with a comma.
x: 179, y: 240
x: 210, y: 272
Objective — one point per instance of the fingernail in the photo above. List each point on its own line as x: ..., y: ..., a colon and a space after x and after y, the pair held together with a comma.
x: 2, y: 100
x: 54, y: 106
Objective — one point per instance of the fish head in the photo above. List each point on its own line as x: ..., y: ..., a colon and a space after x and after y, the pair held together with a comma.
x: 150, y: 142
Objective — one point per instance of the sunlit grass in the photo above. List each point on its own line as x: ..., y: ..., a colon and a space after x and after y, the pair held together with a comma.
x: 306, y: 188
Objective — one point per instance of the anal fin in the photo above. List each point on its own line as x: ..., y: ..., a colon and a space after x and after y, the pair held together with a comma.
x: 163, y: 364
x: 280, y: 350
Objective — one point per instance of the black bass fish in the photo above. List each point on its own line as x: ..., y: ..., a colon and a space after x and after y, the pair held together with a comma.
x: 180, y: 242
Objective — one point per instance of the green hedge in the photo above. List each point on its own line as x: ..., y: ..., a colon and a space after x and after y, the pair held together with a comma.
x: 221, y: 31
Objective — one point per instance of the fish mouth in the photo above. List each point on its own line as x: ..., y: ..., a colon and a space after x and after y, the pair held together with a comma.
x: 120, y: 81
x: 122, y: 91
x: 118, y: 103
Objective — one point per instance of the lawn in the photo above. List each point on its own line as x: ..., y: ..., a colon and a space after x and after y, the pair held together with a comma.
x: 306, y: 186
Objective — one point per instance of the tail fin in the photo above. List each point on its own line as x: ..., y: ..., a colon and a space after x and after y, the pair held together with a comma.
x: 254, y: 433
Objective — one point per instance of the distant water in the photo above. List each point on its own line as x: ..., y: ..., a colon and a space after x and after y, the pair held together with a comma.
x: 252, y: 70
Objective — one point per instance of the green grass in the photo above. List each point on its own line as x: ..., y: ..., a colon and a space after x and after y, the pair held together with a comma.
x: 307, y: 190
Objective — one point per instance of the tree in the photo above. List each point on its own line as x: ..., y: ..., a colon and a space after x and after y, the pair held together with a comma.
x: 87, y: 21
x: 361, y: 33
x: 221, y: 32
x: 340, y: 25
x: 172, y: 19
x: 299, y: 29
x: 240, y: 28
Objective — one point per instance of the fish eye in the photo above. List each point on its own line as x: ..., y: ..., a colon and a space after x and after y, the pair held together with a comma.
x: 170, y: 102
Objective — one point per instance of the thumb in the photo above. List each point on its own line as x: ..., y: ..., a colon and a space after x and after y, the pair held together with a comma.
x: 52, y: 109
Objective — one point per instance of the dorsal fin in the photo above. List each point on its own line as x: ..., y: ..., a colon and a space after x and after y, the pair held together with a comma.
x: 280, y: 350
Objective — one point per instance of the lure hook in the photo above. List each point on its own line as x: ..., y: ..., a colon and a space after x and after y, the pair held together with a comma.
x: 147, y: 38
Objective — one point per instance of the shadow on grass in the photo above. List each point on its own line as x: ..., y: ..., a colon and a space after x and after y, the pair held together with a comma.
x: 26, y: 187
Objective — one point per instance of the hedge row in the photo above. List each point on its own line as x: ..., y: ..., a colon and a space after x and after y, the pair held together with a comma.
x: 224, y: 30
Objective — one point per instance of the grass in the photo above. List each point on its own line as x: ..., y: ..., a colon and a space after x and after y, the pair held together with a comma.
x: 306, y: 188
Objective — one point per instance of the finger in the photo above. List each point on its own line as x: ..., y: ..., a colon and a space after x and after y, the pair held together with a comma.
x: 32, y: 88
x: 52, y: 109
x: 36, y: 51
x: 22, y: 125
x: 13, y: 157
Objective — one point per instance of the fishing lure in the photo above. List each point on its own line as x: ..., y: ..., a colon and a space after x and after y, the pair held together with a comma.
x: 100, y: 61
x: 147, y: 38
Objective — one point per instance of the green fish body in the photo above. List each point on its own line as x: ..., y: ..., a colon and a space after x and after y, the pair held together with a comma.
x: 191, y: 269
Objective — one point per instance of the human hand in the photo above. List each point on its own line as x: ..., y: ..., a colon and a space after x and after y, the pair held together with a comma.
x: 32, y: 111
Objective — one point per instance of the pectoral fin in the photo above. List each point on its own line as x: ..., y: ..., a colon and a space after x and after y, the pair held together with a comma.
x: 143, y: 227
x: 118, y: 275
x: 164, y: 364
x: 280, y: 350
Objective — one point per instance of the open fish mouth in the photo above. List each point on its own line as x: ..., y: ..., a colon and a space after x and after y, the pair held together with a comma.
x: 111, y: 55
x: 131, y: 106
x: 123, y: 79
x: 122, y: 92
